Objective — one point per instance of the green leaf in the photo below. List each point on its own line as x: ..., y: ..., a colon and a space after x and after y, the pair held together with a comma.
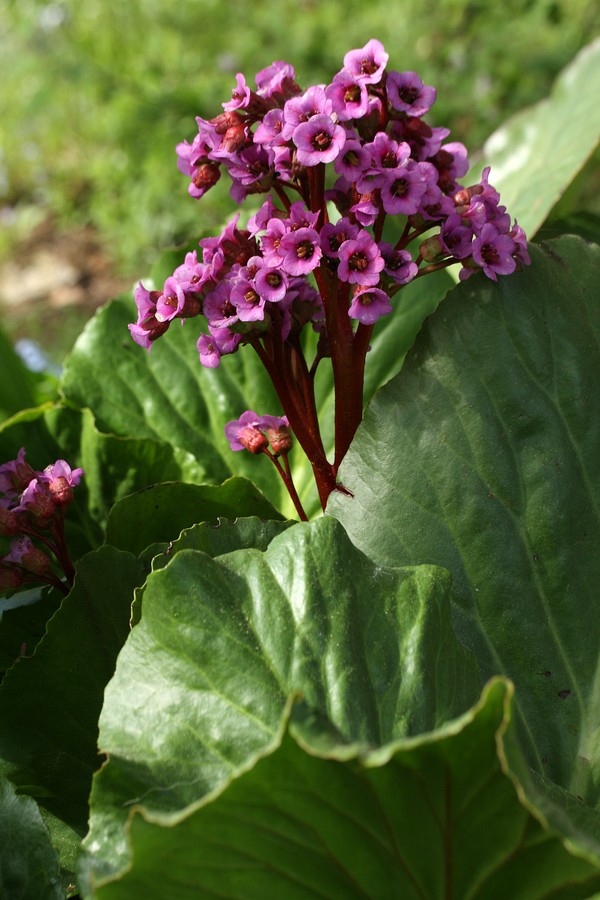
x: 203, y: 680
x: 160, y: 512
x: 536, y: 155
x: 216, y: 540
x: 585, y: 224
x: 23, y: 620
x: 50, y: 702
x: 436, y: 816
x: 167, y: 395
x: 482, y: 456
x: 28, y: 862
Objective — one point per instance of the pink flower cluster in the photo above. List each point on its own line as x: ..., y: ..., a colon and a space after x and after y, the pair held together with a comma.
x: 32, y: 506
x: 360, y: 197
x: 367, y: 126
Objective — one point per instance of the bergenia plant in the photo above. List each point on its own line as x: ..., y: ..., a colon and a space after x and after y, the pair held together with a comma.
x: 200, y: 697
x: 362, y: 197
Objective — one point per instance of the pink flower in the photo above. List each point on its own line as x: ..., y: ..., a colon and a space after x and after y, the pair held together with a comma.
x: 319, y: 140
x: 360, y: 260
x: 61, y: 480
x: 368, y: 305
x: 277, y: 429
x: 25, y: 554
x: 333, y: 236
x: 255, y: 433
x: 368, y: 63
x: 348, y: 96
x: 219, y: 342
x: 407, y: 93
x: 403, y: 191
x: 300, y: 109
x: 147, y: 328
x: 493, y: 251
x: 16, y: 475
x: 300, y: 251
x: 245, y: 433
x: 37, y: 501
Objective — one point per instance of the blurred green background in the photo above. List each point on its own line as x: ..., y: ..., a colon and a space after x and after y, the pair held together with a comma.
x: 95, y: 94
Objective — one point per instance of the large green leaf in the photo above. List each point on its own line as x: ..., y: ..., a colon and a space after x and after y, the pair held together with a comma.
x: 161, y: 512
x: 28, y: 862
x: 50, y: 702
x: 482, y: 456
x: 537, y: 154
x: 431, y: 817
x: 23, y: 620
x: 167, y: 395
x: 203, y: 680
x: 217, y: 539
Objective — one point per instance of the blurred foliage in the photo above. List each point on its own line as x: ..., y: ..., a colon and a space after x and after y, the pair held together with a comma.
x: 96, y: 93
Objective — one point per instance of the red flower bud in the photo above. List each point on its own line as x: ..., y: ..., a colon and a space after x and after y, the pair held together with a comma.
x: 10, y: 578
x: 253, y: 440
x: 431, y: 250
x: 9, y: 522
x: 281, y: 440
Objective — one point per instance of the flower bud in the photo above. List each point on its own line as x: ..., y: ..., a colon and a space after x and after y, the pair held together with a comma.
x: 11, y: 578
x: 61, y: 490
x: 25, y: 554
x: 431, y: 250
x: 36, y: 561
x: 61, y: 480
x: 207, y: 176
x: 253, y: 440
x: 16, y: 475
x: 37, y: 501
x: 281, y: 440
x: 232, y: 128
x: 9, y: 522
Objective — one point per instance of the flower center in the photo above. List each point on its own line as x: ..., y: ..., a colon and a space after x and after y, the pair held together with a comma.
x: 358, y: 262
x: 321, y: 141
x: 305, y: 250
x: 400, y: 187
x: 408, y: 94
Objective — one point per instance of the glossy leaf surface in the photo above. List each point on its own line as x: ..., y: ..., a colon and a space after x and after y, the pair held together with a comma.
x: 482, y: 457
x: 202, y: 683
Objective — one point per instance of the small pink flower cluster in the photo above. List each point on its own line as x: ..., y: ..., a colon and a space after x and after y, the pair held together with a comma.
x: 269, y: 435
x: 32, y: 505
x: 256, y: 433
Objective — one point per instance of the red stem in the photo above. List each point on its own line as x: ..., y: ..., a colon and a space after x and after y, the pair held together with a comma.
x: 287, y: 479
x: 294, y: 408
